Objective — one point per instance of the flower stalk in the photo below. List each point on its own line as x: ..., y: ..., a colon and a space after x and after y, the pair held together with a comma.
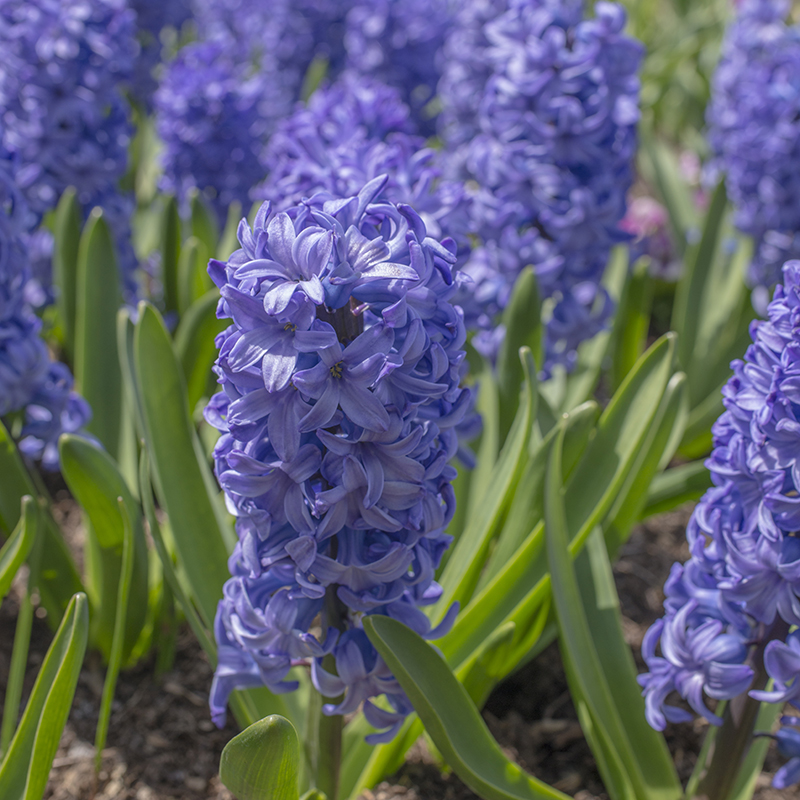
x: 734, y: 738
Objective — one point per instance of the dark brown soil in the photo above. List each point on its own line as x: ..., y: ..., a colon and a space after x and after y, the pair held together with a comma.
x: 162, y: 745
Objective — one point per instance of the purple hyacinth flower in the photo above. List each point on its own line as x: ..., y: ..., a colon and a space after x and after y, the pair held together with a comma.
x: 753, y: 123
x: 540, y: 105
x: 739, y: 593
x: 341, y: 394
x: 343, y: 379
x: 788, y: 738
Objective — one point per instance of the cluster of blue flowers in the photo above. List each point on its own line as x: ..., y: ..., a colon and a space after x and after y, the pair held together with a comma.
x: 152, y: 18
x: 29, y: 380
x: 349, y: 133
x: 63, y: 64
x: 400, y: 44
x: 739, y: 593
x: 541, y: 107
x: 219, y: 100
x: 248, y: 69
x: 214, y: 112
x: 341, y: 376
x: 754, y: 129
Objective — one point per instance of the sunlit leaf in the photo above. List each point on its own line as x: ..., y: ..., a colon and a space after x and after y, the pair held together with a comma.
x: 26, y: 766
x: 97, y: 373
x: 262, y: 761
x: 450, y: 717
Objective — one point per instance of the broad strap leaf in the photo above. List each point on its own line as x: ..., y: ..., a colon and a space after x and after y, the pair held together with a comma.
x: 97, y: 373
x: 26, y: 766
x: 18, y: 545
x: 450, y: 717
x: 263, y: 761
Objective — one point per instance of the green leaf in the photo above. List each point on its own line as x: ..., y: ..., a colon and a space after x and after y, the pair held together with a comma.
x: 632, y: 321
x: 522, y: 322
x: 665, y: 170
x: 18, y: 546
x: 314, y: 76
x: 193, y: 280
x: 262, y: 761
x: 722, y: 331
x: 97, y: 374
x: 121, y: 631
x: 487, y: 666
x: 16, y: 482
x: 450, y: 717
x: 491, y: 607
x: 203, y: 634
x: 753, y: 763
x: 487, y: 448
x: 182, y: 480
x: 658, y: 442
x: 527, y: 506
x: 26, y: 766
x: 229, y: 241
x: 565, y: 392
x: 690, y: 294
x: 194, y: 343
x: 595, y: 482
x: 66, y: 236
x: 676, y: 486
x: 31, y: 520
x: 96, y: 483
x: 601, y: 607
x: 592, y: 488
x: 125, y: 334
x: 697, y: 438
x: 59, y: 577
x: 618, y: 765
x: 247, y: 706
x: 170, y: 252
x: 203, y: 221
x: 462, y: 571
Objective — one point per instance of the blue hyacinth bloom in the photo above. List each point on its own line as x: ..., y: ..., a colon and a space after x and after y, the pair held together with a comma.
x: 341, y: 394
x: 29, y: 380
x: 349, y: 133
x: 540, y: 106
x: 740, y: 590
x: 399, y: 44
x: 214, y: 110
x: 63, y: 67
x: 754, y: 130
x: 284, y: 36
x: 152, y: 18
x: 788, y: 738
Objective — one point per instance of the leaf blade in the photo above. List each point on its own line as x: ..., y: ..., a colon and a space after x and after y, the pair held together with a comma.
x: 26, y: 765
x: 263, y: 761
x: 450, y: 717
x: 97, y: 373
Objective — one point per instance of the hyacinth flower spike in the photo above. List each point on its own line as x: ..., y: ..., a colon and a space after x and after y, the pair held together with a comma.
x: 341, y: 386
x: 731, y: 607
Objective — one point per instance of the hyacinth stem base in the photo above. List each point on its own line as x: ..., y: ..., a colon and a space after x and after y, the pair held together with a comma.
x: 329, y: 728
x: 736, y: 734
x: 330, y: 752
